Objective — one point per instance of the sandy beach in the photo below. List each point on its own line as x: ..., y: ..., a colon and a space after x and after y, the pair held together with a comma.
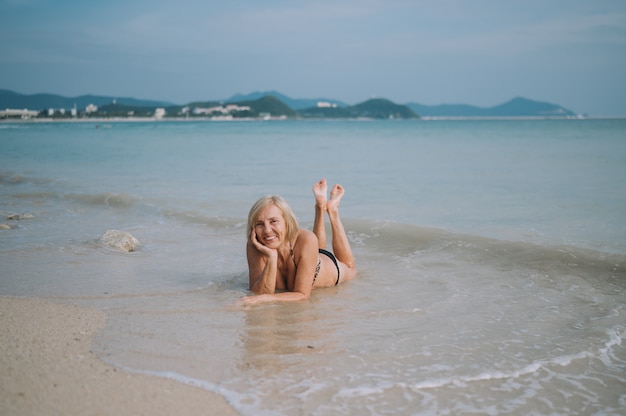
x: 47, y: 367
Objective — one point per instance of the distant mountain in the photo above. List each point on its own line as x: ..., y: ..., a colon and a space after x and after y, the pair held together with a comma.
x: 382, y: 108
x: 378, y: 108
x: 269, y: 105
x: 259, y: 104
x: 517, y: 107
x: 261, y: 107
x: 293, y: 103
x: 278, y: 104
x: 11, y: 99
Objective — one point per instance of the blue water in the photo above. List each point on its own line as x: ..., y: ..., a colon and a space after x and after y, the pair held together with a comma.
x: 490, y: 252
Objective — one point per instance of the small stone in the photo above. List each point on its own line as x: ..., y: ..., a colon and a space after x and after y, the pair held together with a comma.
x: 17, y: 217
x: 5, y: 227
x: 120, y: 240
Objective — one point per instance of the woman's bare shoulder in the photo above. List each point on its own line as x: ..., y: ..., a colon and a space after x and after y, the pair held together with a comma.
x: 305, y: 238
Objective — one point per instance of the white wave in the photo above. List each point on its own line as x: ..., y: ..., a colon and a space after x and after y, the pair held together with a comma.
x: 604, y: 353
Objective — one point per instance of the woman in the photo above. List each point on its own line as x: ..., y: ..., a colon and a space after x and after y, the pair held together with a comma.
x: 286, y: 262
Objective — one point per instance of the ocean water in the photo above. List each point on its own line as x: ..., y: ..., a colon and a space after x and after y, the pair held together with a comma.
x: 491, y: 256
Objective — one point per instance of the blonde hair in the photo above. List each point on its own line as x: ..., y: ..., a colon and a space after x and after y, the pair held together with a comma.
x: 290, y: 219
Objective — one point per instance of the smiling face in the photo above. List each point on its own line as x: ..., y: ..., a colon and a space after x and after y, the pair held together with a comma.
x: 268, y: 207
x: 270, y: 227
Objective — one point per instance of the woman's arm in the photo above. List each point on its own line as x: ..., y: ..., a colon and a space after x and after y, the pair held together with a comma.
x: 274, y: 297
x: 306, y: 254
x: 262, y: 266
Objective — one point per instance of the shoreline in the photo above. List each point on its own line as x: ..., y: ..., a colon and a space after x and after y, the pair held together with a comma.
x: 47, y: 367
x: 105, y: 120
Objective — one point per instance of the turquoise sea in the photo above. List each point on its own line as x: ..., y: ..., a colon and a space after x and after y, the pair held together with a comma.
x: 491, y: 256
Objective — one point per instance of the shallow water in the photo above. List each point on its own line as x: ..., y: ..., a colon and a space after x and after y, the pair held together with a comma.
x: 491, y: 259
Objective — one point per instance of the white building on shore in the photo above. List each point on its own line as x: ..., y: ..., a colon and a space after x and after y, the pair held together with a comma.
x: 159, y: 113
x: 23, y: 114
x: 220, y: 110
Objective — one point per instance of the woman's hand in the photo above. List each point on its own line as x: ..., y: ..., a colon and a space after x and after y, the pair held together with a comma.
x: 270, y: 297
x: 251, y: 300
x: 265, y: 251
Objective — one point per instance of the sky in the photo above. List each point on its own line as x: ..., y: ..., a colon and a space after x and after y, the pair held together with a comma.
x: 477, y: 52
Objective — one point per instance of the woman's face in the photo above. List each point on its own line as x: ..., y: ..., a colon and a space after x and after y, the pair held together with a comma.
x: 270, y: 227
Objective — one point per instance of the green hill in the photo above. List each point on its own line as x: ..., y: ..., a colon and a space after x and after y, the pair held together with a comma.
x: 293, y: 103
x: 382, y: 108
x: 378, y: 108
x: 269, y: 105
x: 265, y: 106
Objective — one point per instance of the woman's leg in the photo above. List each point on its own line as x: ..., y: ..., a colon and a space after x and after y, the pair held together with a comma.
x: 341, y: 244
x: 319, y: 190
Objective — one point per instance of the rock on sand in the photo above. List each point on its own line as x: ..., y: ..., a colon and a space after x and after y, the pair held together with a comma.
x: 24, y: 216
x: 120, y: 240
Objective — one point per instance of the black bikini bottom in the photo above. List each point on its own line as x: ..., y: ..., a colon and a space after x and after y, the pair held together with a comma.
x: 332, y: 257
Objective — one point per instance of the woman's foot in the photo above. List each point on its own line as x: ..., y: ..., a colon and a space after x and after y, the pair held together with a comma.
x: 335, y: 198
x: 320, y: 190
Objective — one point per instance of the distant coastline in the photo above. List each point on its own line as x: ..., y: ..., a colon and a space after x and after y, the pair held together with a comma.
x: 103, y: 122
x: 270, y: 105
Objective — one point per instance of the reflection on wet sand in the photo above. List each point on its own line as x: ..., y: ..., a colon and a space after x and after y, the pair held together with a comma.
x: 283, y: 334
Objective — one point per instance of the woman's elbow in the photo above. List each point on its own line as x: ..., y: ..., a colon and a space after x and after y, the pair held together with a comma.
x: 299, y: 296
x: 258, y: 288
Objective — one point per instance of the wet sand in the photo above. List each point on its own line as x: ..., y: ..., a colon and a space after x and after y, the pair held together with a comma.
x: 47, y: 367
